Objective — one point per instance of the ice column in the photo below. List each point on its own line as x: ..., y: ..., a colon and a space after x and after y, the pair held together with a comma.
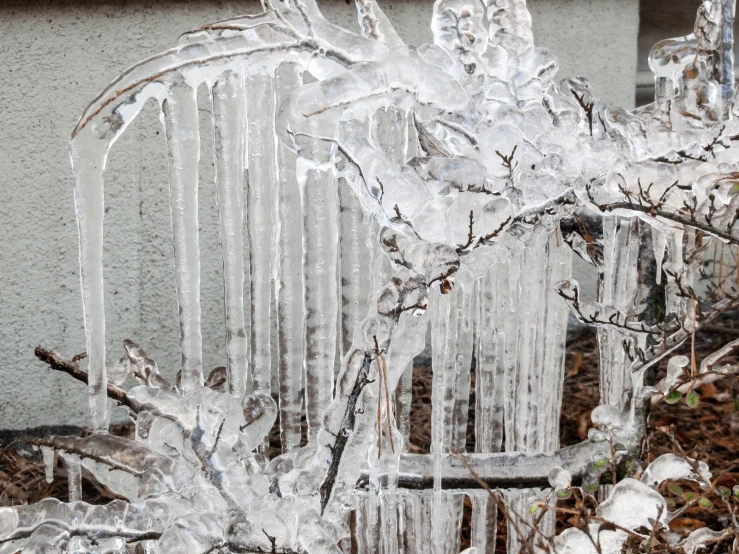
x: 88, y: 161
x: 229, y: 125
x: 617, y: 287
x: 355, y: 251
x: 289, y: 278
x: 490, y: 312
x: 525, y: 330
x: 181, y: 125
x: 260, y: 225
x: 320, y: 281
x: 446, y: 364
x: 74, y: 476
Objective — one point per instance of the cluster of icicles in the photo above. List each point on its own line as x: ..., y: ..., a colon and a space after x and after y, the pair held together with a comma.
x: 461, y: 156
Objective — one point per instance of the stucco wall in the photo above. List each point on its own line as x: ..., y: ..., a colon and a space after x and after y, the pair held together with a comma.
x: 58, y: 56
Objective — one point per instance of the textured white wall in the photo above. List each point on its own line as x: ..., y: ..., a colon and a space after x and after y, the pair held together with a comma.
x: 56, y: 58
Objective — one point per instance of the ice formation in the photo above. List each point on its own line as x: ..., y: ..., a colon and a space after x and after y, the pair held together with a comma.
x: 452, y: 180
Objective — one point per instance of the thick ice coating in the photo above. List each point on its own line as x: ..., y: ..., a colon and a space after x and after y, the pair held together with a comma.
x: 367, y: 191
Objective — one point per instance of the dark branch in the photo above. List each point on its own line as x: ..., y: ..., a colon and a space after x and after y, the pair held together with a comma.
x: 55, y: 361
x: 347, y: 428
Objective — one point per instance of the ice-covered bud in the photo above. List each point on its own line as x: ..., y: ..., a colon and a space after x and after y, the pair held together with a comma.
x: 307, y: 483
x: 596, y: 435
x: 253, y: 465
x: 260, y: 412
x: 48, y: 455
x: 8, y: 522
x: 560, y: 479
x: 503, y: 141
x: 534, y: 504
x: 117, y: 371
x: 600, y: 462
x: 280, y: 466
x: 458, y: 26
x: 607, y: 417
x: 388, y: 299
x: 675, y: 370
x: 672, y: 467
x: 375, y: 333
x: 431, y: 260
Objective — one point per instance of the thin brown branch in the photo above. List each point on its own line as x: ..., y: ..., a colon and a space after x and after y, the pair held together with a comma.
x: 55, y: 361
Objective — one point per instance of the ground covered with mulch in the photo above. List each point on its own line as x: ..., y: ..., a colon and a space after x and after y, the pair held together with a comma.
x: 708, y: 432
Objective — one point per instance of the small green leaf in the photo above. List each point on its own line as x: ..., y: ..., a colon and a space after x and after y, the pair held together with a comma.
x: 688, y: 496
x: 592, y: 487
x: 564, y: 494
x: 673, y: 397
x: 692, y: 399
x: 618, y: 447
x: 670, y: 503
x: 723, y: 491
x: 600, y: 463
x: 675, y: 489
x: 705, y: 503
x: 533, y: 508
x: 736, y: 491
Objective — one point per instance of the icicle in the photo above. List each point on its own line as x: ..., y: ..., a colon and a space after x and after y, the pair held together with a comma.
x: 724, y: 64
x: 490, y: 366
x: 659, y: 242
x: 462, y: 363
x: 320, y: 256
x: 443, y: 342
x: 229, y: 124
x: 289, y: 279
x: 181, y: 125
x: 367, y: 523
x: 490, y: 313
x: 389, y: 515
x: 552, y: 344
x: 74, y: 476
x: 355, y: 261
x: 535, y: 356
x: 48, y: 454
x: 88, y: 160
x: 403, y: 399
x: 617, y: 288
x: 484, y: 522
x: 262, y: 177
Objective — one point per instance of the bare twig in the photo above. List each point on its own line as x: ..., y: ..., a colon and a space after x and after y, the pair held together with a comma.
x: 55, y: 361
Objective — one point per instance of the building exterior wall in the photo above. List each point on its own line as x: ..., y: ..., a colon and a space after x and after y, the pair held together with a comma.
x: 57, y: 56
